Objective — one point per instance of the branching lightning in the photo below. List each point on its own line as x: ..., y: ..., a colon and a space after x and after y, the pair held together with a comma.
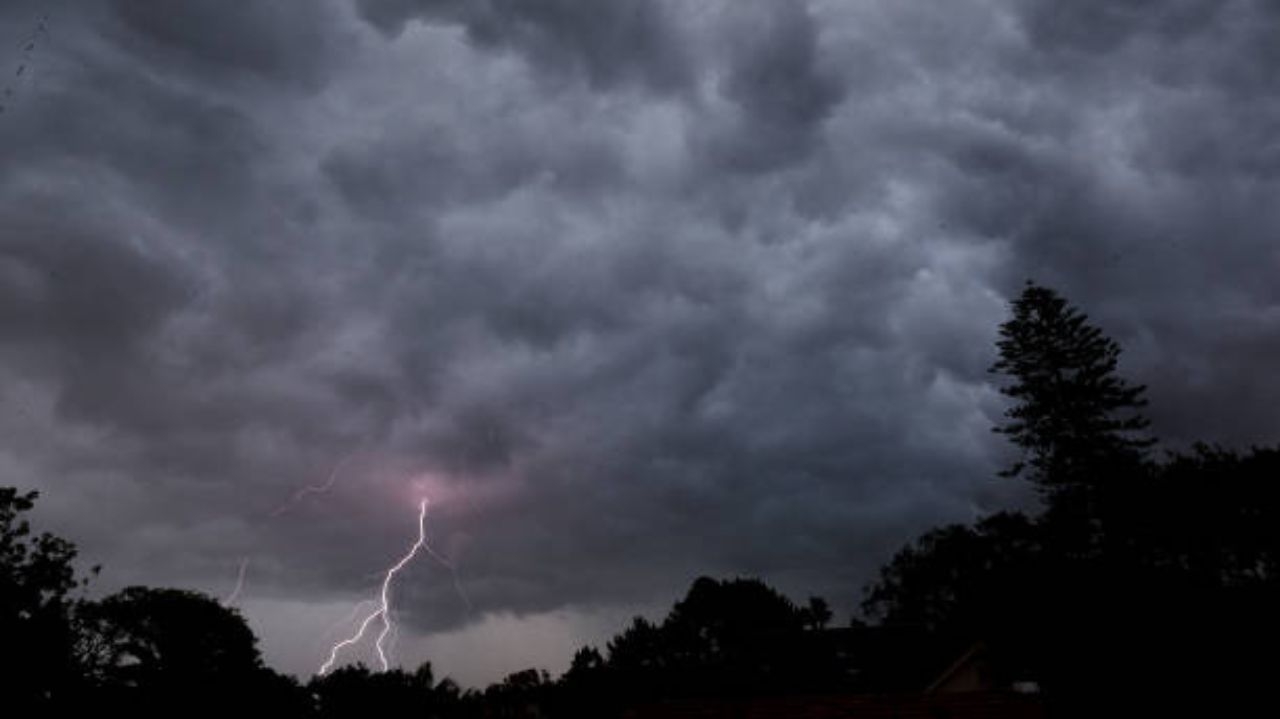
x: 383, y: 610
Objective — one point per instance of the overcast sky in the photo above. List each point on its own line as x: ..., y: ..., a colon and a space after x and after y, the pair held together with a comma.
x: 631, y: 290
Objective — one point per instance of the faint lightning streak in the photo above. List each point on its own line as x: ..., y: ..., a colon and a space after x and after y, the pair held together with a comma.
x: 384, y: 605
x: 453, y: 572
x: 351, y: 616
x: 303, y: 493
x: 235, y: 593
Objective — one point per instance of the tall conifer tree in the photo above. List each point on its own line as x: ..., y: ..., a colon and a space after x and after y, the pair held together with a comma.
x: 1073, y: 416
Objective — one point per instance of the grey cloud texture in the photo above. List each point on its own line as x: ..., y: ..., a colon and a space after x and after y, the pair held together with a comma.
x: 633, y: 290
x: 291, y: 43
x: 610, y: 43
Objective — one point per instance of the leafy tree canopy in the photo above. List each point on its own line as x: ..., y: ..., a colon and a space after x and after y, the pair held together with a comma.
x: 37, y: 576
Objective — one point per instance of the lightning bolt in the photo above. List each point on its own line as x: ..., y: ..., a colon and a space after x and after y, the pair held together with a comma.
x: 235, y: 593
x: 384, y: 605
x: 340, y: 625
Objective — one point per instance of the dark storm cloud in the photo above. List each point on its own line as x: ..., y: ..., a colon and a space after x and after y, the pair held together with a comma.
x: 289, y: 43
x: 635, y: 290
x: 775, y: 78
x: 607, y: 43
x: 438, y: 168
x: 1163, y: 226
x: 65, y: 282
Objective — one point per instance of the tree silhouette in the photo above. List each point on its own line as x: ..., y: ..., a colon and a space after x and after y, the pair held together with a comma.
x: 163, y: 651
x: 36, y: 578
x: 166, y: 635
x: 1139, y: 576
x: 520, y: 694
x: 1074, y: 418
x: 355, y: 691
x: 817, y: 614
x: 734, y: 637
x: 585, y: 689
x: 1210, y: 514
x: 959, y: 578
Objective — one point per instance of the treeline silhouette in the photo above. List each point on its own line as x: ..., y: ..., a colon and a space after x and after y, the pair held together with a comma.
x: 1141, y: 584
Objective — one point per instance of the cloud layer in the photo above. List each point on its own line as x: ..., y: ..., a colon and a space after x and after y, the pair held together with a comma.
x: 633, y: 290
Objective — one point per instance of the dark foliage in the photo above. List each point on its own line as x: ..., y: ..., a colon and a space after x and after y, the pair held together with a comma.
x: 37, y: 578
x: 150, y: 651
x: 1139, y: 576
x: 357, y: 692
